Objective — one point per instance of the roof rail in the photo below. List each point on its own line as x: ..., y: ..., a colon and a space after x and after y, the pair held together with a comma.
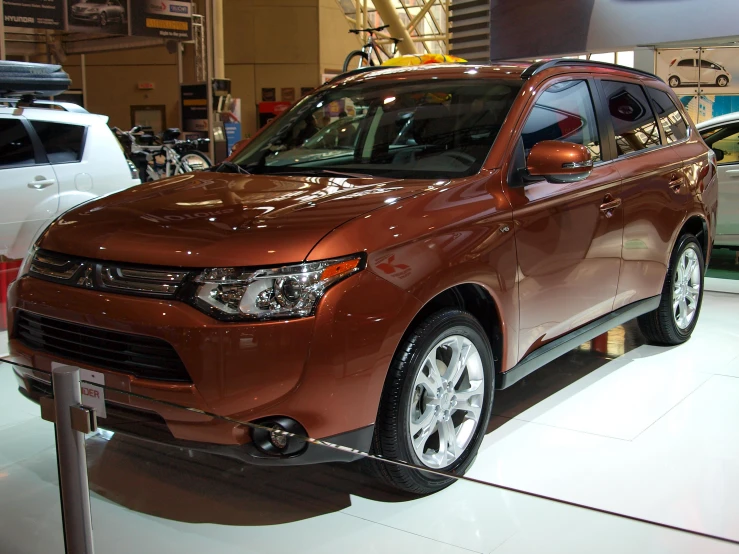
x: 30, y: 102
x: 538, y: 67
x: 361, y: 70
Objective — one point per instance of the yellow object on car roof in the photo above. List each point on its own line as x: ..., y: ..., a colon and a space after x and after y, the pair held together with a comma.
x: 422, y: 59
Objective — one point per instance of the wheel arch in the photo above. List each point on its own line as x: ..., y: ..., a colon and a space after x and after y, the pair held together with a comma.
x: 478, y: 301
x: 698, y: 226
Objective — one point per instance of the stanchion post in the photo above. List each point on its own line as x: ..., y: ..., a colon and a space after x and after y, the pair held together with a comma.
x: 72, y: 462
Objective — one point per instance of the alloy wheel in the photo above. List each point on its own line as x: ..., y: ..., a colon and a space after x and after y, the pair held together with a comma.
x: 446, y: 403
x: 722, y: 81
x: 686, y: 287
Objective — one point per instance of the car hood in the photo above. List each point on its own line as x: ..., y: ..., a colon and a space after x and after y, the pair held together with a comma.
x: 219, y: 219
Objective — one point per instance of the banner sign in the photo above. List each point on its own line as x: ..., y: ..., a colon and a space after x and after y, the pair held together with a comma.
x: 194, y: 102
x: 34, y: 14
x: 170, y: 19
x: 107, y: 17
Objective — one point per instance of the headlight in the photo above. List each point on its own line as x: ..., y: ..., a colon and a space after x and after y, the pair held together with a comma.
x: 289, y: 291
x: 26, y: 265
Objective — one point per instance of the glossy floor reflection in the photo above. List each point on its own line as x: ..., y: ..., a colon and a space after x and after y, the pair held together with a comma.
x: 617, y: 425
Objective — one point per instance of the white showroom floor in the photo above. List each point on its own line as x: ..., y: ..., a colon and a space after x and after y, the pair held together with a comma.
x: 647, y: 432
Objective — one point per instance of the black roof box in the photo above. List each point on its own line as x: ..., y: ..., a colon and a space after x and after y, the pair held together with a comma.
x: 34, y: 79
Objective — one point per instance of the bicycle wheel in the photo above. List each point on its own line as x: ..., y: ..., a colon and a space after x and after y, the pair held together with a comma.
x: 195, y: 161
x: 356, y: 60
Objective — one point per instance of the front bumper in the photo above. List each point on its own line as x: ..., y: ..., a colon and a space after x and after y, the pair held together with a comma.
x: 326, y: 372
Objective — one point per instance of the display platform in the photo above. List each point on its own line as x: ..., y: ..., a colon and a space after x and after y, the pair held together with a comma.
x: 616, y: 425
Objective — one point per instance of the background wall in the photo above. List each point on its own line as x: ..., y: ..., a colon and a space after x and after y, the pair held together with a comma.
x: 268, y: 44
x: 113, y: 77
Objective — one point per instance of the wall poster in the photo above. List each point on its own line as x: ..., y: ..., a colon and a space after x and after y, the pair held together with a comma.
x: 34, y: 14
x: 108, y: 17
x: 705, y: 79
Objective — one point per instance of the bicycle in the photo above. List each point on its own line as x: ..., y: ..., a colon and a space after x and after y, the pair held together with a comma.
x: 158, y: 158
x: 372, y: 52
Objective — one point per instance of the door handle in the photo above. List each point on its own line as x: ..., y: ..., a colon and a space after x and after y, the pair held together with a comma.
x: 609, y: 205
x: 41, y: 183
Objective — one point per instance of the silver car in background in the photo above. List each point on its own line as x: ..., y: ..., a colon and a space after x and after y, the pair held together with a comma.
x: 101, y: 12
x: 722, y: 135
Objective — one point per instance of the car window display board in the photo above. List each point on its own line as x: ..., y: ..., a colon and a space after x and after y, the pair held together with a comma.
x: 713, y: 70
x: 34, y: 14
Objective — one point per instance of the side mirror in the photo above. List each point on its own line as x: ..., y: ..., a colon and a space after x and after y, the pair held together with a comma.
x: 559, y: 161
x: 719, y: 154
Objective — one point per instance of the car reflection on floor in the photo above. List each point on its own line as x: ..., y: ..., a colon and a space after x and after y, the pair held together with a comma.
x: 196, y: 487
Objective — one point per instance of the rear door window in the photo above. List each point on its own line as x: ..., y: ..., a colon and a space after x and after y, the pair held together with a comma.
x: 675, y: 126
x: 631, y: 114
x: 63, y: 142
x: 16, y: 148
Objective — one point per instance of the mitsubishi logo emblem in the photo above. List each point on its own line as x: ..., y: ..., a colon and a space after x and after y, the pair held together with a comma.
x: 85, y: 279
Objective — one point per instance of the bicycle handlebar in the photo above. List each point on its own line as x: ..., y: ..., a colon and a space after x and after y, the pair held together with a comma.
x: 370, y: 30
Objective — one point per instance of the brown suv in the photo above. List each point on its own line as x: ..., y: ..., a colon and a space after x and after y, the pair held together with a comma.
x: 373, y: 281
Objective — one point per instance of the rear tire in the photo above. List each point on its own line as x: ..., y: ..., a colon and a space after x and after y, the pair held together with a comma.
x: 673, y: 321
x: 449, y: 353
x: 355, y: 60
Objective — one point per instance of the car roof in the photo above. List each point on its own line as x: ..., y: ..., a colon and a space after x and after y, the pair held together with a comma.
x: 503, y: 70
x: 60, y: 116
x: 727, y: 118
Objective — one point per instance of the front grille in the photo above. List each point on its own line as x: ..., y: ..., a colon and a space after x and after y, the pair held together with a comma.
x: 144, y: 357
x: 107, y: 276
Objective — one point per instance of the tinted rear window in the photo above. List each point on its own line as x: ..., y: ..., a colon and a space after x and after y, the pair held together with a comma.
x: 631, y: 113
x: 16, y: 148
x: 63, y: 142
x: 676, y: 128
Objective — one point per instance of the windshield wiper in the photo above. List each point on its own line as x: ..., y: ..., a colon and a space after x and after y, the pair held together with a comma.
x: 295, y: 170
x: 230, y: 167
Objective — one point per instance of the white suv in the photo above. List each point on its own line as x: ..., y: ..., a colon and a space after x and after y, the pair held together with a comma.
x: 50, y: 161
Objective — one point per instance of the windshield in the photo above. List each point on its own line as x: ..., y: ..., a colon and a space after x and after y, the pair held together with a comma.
x: 423, y: 129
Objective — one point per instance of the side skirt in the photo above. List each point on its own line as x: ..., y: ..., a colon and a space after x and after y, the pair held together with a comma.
x: 573, y: 339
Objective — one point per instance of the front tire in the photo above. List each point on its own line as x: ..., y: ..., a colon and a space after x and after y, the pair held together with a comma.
x: 674, y: 81
x: 673, y: 321
x: 355, y: 60
x: 436, y: 403
x: 103, y: 19
x: 722, y: 80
